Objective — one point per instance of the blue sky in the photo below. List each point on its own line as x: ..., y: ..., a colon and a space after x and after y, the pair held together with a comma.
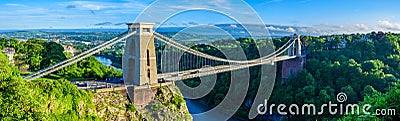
x: 321, y: 15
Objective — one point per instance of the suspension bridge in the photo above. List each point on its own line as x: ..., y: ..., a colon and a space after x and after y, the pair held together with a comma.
x: 139, y: 61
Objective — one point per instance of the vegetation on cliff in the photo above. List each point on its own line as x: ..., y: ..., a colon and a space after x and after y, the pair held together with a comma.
x: 41, y: 100
x: 169, y: 105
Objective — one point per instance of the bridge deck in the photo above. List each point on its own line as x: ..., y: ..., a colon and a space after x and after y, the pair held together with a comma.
x: 181, y: 75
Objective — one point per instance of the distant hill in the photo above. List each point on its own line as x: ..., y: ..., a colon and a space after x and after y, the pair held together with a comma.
x: 236, y: 30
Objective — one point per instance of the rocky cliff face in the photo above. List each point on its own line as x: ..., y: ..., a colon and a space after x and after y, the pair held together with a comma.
x: 168, y: 105
x: 115, y: 106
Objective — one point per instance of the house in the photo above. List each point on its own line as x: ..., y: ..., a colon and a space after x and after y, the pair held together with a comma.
x: 69, y: 49
x: 10, y: 53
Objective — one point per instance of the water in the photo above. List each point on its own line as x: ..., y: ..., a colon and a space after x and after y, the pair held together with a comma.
x: 106, y: 62
x: 194, y: 106
x: 197, y: 107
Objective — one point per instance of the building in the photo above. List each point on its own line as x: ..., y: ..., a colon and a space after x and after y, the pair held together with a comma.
x: 69, y: 49
x: 10, y: 53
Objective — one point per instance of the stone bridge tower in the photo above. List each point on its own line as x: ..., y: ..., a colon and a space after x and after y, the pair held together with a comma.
x: 294, y: 66
x: 139, y: 63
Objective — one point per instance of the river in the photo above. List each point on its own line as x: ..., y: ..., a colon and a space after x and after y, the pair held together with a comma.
x: 106, y: 62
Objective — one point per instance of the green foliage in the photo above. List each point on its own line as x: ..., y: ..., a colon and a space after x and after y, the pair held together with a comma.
x: 344, y: 63
x: 39, y: 54
x: 41, y: 100
x: 52, y: 53
x: 88, y: 68
x: 62, y: 100
x: 13, y: 43
x: 382, y: 101
x: 167, y: 98
x: 177, y: 100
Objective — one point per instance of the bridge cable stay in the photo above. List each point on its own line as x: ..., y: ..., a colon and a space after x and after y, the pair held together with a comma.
x: 282, y: 49
x: 192, y: 51
x: 202, y: 59
x: 271, y: 54
x: 80, y: 56
x: 221, y: 68
x: 75, y: 57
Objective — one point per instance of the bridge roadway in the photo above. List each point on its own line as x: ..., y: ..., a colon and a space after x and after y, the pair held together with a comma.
x: 177, y: 76
x: 181, y: 75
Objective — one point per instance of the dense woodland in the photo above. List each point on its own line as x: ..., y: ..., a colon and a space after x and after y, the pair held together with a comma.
x: 365, y: 67
x: 41, y: 100
x: 46, y: 99
x: 36, y: 54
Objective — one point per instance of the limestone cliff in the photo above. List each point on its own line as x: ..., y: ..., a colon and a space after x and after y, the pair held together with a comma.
x: 168, y: 105
x: 115, y: 106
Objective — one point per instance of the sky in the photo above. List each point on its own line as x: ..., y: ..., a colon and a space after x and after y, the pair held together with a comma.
x: 347, y: 16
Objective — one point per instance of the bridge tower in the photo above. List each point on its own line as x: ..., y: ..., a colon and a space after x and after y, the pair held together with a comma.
x: 139, y: 63
x: 295, y: 49
x: 294, y: 66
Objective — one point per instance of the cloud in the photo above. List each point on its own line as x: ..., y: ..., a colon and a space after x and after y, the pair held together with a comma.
x: 123, y: 7
x: 273, y: 1
x: 61, y: 18
x: 103, y: 24
x: 193, y: 23
x: 329, y: 26
x: 361, y: 27
x: 119, y: 24
x: 389, y: 25
x: 305, y: 1
x: 71, y: 6
x: 14, y: 5
x: 174, y: 24
x: 274, y: 28
x: 288, y: 29
x: 89, y: 5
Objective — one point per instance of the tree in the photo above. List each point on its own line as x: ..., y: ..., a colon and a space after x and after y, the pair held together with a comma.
x: 41, y: 100
x: 52, y: 53
x: 383, y: 101
x: 388, y: 45
x: 33, y: 53
x: 88, y: 68
x: 351, y: 94
x: 373, y: 65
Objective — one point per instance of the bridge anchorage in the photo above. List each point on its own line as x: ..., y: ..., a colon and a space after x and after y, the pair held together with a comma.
x: 140, y: 61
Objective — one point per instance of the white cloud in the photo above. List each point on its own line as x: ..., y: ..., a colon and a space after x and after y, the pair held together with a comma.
x: 14, y: 5
x: 361, y: 27
x: 89, y: 5
x: 389, y: 25
x: 290, y: 29
x: 274, y: 28
x: 329, y: 26
x: 273, y: 1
